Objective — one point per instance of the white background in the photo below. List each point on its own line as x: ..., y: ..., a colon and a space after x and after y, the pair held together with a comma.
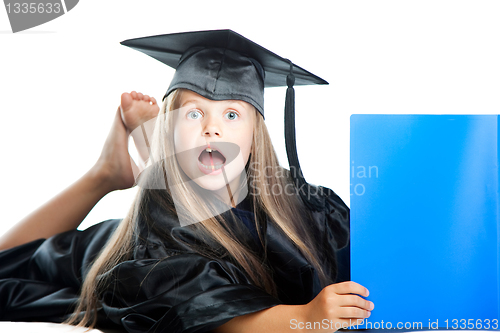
x: 61, y: 82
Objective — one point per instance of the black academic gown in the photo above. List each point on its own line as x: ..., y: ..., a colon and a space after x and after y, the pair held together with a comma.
x: 165, y: 288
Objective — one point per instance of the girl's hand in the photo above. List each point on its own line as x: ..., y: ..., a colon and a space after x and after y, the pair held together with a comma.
x: 341, y: 304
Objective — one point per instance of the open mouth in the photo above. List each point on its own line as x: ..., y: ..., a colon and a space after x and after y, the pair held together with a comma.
x: 211, y: 159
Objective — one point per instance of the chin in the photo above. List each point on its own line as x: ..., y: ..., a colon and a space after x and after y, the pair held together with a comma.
x: 211, y: 183
x: 217, y: 183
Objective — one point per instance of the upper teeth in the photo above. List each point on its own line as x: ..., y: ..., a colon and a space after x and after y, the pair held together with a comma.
x: 209, y: 150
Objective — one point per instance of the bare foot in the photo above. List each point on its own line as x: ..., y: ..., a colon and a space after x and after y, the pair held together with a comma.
x: 138, y: 113
x: 137, y: 109
x: 114, y: 165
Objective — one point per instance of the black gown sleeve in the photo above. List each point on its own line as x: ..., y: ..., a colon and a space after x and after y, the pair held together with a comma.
x: 182, y: 293
x: 40, y: 280
x: 179, y: 292
x: 338, y: 218
x: 334, y: 226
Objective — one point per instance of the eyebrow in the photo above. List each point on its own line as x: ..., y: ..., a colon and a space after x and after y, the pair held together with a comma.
x: 229, y: 101
x: 236, y: 101
x: 188, y: 101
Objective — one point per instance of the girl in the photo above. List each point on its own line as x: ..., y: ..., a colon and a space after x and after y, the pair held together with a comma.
x: 219, y: 238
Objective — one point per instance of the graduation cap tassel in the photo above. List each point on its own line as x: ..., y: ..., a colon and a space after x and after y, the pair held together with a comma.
x: 291, y: 147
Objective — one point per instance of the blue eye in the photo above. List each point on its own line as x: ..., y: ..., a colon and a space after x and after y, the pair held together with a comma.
x: 194, y: 114
x: 231, y: 115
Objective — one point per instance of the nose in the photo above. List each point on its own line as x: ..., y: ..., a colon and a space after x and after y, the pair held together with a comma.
x: 211, y: 127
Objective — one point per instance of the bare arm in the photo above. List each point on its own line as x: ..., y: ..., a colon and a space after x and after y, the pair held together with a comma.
x: 336, y: 306
x: 277, y: 319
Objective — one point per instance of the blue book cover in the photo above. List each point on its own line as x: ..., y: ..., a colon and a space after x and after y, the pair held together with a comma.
x: 425, y: 219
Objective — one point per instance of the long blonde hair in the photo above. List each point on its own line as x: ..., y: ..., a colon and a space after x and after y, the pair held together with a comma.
x: 287, y: 212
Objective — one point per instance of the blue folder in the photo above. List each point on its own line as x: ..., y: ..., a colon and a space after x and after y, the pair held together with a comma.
x: 425, y: 219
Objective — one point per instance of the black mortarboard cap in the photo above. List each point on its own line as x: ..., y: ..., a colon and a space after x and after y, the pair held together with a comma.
x: 220, y: 65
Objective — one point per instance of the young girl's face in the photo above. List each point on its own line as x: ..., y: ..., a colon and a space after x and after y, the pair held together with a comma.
x: 225, y: 127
